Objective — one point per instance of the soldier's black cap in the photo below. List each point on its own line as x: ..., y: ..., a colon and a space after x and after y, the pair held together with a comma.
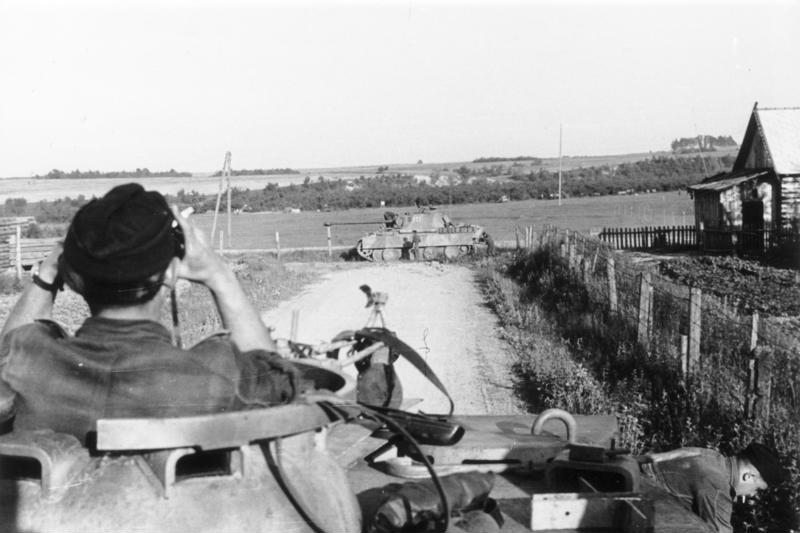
x: 766, y: 461
x: 123, y: 237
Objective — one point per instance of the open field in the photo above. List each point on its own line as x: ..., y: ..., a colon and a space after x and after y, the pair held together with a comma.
x: 257, y: 230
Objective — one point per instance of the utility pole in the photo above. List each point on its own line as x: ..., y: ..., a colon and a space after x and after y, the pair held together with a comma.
x: 226, y: 177
x: 228, y: 185
x: 559, y: 163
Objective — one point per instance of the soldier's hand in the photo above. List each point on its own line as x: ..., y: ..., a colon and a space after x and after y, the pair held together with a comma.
x: 200, y: 263
x: 48, y: 269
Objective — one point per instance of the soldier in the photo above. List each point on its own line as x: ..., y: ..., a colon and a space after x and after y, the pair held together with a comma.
x: 415, y: 240
x: 123, y: 254
x: 706, y: 481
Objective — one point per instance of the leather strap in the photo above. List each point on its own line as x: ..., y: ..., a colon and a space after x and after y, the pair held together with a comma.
x: 52, y: 288
x: 399, y: 347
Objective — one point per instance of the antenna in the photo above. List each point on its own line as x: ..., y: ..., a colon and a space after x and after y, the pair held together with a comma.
x: 225, y: 176
x: 700, y: 147
x: 560, y: 131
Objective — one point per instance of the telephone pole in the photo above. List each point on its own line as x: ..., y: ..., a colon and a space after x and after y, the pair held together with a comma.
x: 226, y: 177
x: 559, y: 162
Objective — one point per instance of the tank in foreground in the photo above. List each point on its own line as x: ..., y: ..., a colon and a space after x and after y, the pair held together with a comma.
x: 261, y: 470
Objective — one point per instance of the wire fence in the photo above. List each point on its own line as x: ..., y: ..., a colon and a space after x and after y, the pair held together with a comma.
x: 749, y: 360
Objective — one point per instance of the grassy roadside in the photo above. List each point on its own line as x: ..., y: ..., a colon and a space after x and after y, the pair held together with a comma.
x: 266, y: 281
x: 572, y: 356
x: 546, y: 372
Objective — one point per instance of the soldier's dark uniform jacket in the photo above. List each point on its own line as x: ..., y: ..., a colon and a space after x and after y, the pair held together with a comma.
x: 127, y: 368
x: 704, y: 483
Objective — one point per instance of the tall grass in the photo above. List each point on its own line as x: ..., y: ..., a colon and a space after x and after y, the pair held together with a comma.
x: 575, y: 355
x: 265, y: 280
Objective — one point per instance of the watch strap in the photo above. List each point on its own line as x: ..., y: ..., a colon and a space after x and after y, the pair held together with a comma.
x: 49, y: 287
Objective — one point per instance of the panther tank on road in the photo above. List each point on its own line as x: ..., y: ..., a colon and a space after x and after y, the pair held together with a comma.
x: 438, y: 236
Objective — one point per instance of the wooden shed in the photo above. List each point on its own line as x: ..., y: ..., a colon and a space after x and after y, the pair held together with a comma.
x: 761, y: 194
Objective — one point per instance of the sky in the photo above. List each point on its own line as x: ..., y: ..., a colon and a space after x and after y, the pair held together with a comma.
x: 107, y: 86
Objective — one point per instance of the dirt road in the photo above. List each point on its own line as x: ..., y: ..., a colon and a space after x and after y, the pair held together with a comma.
x: 436, y: 309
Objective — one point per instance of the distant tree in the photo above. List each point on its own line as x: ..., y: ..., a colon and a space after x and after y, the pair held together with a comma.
x: 91, y: 174
x: 533, y: 160
x: 15, y: 207
x: 702, y: 143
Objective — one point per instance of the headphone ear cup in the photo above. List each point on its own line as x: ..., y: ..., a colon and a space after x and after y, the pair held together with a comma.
x: 179, y: 241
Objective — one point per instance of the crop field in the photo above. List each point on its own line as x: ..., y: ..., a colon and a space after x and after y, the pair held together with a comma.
x: 305, y: 229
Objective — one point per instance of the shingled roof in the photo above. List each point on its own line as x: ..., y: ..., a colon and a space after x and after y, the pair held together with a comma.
x: 779, y: 130
x: 726, y: 180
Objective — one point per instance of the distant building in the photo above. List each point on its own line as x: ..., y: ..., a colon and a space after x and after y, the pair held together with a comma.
x: 762, y: 191
x: 351, y: 186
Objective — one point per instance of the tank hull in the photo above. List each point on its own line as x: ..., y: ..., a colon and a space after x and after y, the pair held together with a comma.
x: 435, y: 236
x: 123, y: 494
x: 261, y: 470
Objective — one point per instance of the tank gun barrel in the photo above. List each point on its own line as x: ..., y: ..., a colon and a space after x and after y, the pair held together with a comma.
x: 328, y: 224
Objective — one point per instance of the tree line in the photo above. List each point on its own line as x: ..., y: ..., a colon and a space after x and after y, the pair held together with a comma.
x: 400, y: 189
x: 56, y: 174
x: 658, y: 173
x: 702, y: 143
x: 534, y: 160
x: 258, y: 172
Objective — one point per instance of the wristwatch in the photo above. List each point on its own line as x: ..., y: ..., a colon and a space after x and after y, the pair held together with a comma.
x: 53, y: 287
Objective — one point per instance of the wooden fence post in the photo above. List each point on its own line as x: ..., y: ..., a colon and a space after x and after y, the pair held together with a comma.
x: 684, y: 356
x: 571, y: 260
x: 750, y: 388
x: 587, y: 271
x: 612, y: 283
x: 18, y: 252
x: 294, y: 326
x: 701, y: 237
x: 278, y: 246
x: 764, y: 383
x: 645, y: 309
x: 330, y: 247
x: 695, y: 323
x: 221, y: 233
x: 516, y: 235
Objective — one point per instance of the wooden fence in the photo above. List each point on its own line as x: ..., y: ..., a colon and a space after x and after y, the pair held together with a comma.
x: 671, y: 238
x: 11, y: 228
x: 745, y: 241
x: 704, y: 331
x: 650, y: 238
x: 22, y: 254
